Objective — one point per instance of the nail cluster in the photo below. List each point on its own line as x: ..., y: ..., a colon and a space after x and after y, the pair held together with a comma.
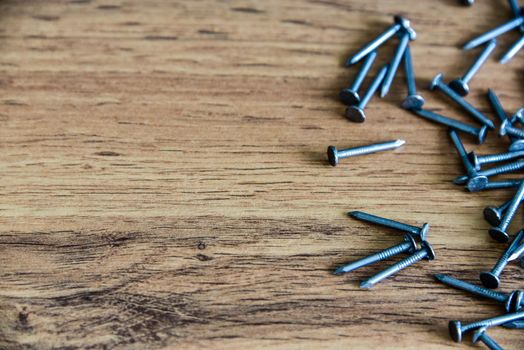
x: 480, y: 170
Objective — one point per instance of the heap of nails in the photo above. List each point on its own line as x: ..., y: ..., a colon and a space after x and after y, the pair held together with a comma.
x: 476, y: 177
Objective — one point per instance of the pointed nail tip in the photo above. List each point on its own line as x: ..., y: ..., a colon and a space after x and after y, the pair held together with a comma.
x: 439, y: 276
x: 400, y: 142
x: 338, y: 271
x: 365, y: 285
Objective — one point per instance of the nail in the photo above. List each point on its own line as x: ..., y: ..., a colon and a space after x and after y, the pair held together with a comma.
x: 456, y: 329
x: 507, y: 128
x: 494, y: 214
x: 479, y: 133
x: 426, y: 252
x: 481, y: 335
x: 491, y: 279
x: 475, y: 181
x: 513, y: 301
x: 467, y: 2
x: 497, y: 185
x: 400, y: 23
x: 460, y: 85
x: 413, y: 100
x: 502, y: 169
x: 349, y: 95
x: 468, y: 287
x: 513, y: 50
x: 356, y: 113
x: 438, y: 83
x: 409, y: 245
x: 395, y: 62
x: 420, y: 232
x: 499, y: 232
x: 335, y: 155
x: 477, y: 160
x: 506, y: 27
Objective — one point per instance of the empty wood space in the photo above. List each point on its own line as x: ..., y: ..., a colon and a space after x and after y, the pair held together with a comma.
x: 164, y: 182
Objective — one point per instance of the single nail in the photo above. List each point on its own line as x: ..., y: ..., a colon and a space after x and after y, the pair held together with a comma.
x: 498, y: 185
x: 426, y: 252
x: 413, y: 100
x: 438, y: 83
x: 409, y: 245
x: 513, y: 50
x: 513, y: 301
x: 356, y: 113
x: 499, y: 232
x: 494, y: 214
x: 481, y: 335
x: 477, y: 160
x: 349, y: 95
x: 395, y: 62
x: 335, y: 155
x: 506, y: 27
x: 460, y: 85
x: 420, y: 232
x: 475, y: 181
x: 502, y: 169
x: 468, y: 287
x: 400, y: 23
x: 507, y: 128
x: 456, y: 329
x: 479, y: 133
x: 491, y: 279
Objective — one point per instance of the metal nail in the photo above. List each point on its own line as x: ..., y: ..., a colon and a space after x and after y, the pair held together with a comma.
x: 506, y: 27
x: 481, y: 335
x: 479, y: 133
x: 475, y: 181
x: 456, y: 329
x: 438, y: 83
x: 413, y: 100
x: 491, y: 279
x: 335, y: 155
x: 349, y: 95
x: 395, y: 62
x: 477, y: 160
x: 513, y: 301
x: 515, y: 8
x: 426, y: 252
x: 400, y: 23
x: 499, y: 232
x: 421, y: 232
x: 502, y: 169
x: 356, y: 113
x: 498, y: 185
x: 494, y: 214
x: 460, y: 85
x: 507, y: 128
x: 467, y: 2
x: 408, y: 246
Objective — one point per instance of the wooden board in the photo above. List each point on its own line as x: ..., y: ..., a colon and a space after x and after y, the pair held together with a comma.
x: 164, y: 182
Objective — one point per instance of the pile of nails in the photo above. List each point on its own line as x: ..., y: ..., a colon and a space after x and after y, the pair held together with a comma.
x: 476, y: 177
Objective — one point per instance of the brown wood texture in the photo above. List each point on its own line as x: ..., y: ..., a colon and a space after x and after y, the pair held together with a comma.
x: 164, y: 183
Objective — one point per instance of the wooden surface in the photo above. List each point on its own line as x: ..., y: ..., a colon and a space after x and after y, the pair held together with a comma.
x: 164, y: 182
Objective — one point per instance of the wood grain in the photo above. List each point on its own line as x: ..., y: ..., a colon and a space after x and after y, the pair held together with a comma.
x: 164, y: 182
